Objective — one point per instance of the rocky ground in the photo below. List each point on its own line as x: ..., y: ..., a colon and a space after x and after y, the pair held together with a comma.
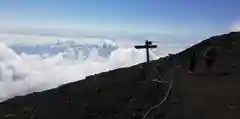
x: 203, y: 94
x: 119, y: 94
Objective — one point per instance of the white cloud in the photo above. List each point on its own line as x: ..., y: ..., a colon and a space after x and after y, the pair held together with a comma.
x: 23, y: 74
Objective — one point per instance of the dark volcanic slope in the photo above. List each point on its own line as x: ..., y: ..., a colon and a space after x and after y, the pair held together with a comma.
x: 206, y: 95
x: 118, y: 94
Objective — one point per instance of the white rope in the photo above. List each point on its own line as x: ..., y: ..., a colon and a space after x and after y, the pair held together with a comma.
x: 159, y: 81
x: 155, y: 80
x: 159, y: 104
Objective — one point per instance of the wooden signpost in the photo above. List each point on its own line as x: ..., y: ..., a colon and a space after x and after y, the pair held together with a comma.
x: 147, y: 46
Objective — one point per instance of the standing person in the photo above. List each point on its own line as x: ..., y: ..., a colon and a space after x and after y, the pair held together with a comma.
x: 210, y: 57
x: 193, y: 62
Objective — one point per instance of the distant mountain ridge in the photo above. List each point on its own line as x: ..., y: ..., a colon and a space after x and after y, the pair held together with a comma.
x: 104, y: 48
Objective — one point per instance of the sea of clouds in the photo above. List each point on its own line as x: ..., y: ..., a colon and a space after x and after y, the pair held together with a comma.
x: 23, y: 72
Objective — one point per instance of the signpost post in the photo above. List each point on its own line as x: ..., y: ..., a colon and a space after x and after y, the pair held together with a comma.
x: 147, y: 46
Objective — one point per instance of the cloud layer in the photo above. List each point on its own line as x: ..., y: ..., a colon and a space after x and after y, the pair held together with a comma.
x: 23, y: 73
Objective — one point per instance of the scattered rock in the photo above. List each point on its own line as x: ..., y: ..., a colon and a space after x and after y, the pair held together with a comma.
x: 69, y: 102
x: 130, y: 99
x: 10, y: 116
x: 98, y: 90
x: 115, y: 113
x: 32, y: 117
x: 136, y: 116
x: 231, y: 106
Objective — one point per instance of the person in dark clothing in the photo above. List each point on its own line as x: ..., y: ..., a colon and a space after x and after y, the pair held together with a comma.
x: 193, y: 62
x: 210, y: 57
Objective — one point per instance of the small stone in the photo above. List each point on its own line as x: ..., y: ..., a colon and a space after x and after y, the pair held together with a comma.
x: 10, y: 116
x: 231, y: 106
x: 102, y: 114
x: 233, y: 65
x: 31, y: 117
x: 136, y: 116
x: 115, y: 113
x: 130, y: 99
x: 70, y: 102
x: 98, y: 90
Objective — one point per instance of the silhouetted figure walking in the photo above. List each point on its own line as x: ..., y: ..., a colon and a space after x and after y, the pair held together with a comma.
x: 210, y: 57
x: 192, y: 62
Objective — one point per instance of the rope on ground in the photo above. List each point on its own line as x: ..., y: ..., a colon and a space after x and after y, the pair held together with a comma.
x: 159, y: 104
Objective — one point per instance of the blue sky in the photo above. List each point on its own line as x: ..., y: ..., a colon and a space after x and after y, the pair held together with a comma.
x: 184, y: 17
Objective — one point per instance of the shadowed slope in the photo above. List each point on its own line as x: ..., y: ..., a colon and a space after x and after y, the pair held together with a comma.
x: 205, y: 95
x: 120, y: 94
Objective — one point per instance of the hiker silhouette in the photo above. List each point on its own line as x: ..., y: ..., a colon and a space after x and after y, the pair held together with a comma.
x: 210, y: 56
x: 192, y: 62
